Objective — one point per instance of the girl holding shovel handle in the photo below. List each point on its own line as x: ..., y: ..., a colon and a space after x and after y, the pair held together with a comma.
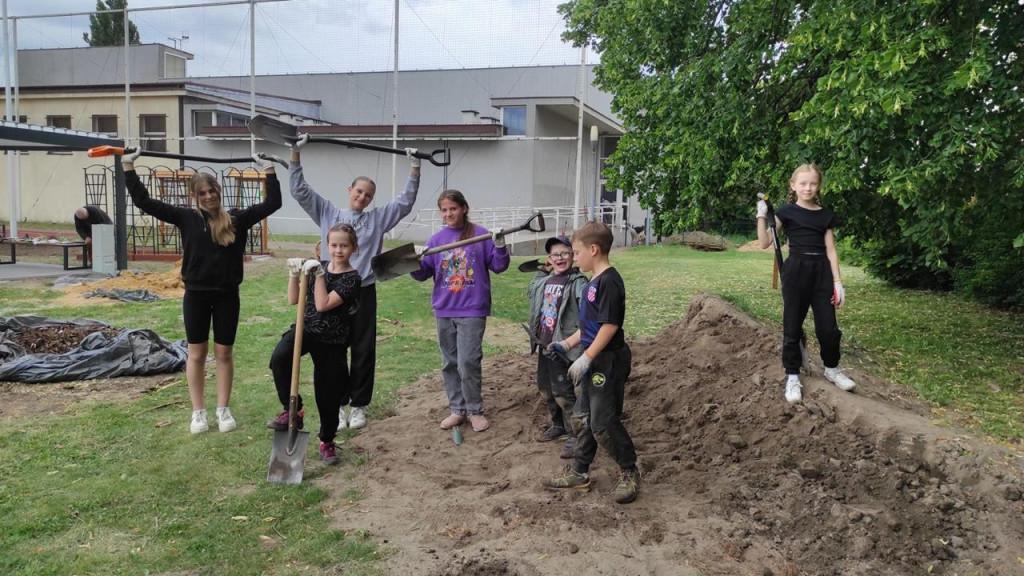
x: 810, y: 277
x: 331, y: 300
x: 213, y: 249
x: 370, y: 225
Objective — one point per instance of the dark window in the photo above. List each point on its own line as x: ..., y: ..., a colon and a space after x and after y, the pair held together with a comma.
x: 513, y: 119
x: 59, y: 122
x: 105, y: 124
x: 153, y: 132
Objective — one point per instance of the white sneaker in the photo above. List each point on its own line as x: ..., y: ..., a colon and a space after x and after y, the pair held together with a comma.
x: 356, y: 418
x: 836, y: 376
x: 198, y: 425
x: 225, y: 421
x: 342, y: 419
x: 793, y: 390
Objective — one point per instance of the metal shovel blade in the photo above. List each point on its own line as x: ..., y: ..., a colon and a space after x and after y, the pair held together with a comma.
x: 287, y: 456
x: 273, y: 130
x: 396, y: 262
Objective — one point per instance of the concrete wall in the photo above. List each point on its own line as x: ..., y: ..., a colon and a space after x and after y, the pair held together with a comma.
x: 94, y: 66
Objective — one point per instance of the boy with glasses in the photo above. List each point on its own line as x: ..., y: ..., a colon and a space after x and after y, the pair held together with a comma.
x: 554, y: 295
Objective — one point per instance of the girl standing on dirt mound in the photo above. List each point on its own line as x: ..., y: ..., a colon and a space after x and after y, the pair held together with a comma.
x: 810, y: 277
x: 462, y: 303
x: 331, y: 302
x: 370, y: 226
x: 213, y: 249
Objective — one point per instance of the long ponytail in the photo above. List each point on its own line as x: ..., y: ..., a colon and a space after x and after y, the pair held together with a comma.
x: 222, y: 228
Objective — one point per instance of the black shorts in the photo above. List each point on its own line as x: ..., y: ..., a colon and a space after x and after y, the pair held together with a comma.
x: 200, y: 306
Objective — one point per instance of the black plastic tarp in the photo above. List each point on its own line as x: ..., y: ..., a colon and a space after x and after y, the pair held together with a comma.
x: 132, y: 352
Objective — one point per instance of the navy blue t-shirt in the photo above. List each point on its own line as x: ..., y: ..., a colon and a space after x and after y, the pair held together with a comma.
x: 604, y: 302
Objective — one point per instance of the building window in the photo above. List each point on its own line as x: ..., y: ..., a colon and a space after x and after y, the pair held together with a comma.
x: 513, y: 119
x: 153, y: 132
x: 608, y: 146
x: 106, y: 125
x: 174, y: 66
x: 59, y: 122
x: 202, y: 119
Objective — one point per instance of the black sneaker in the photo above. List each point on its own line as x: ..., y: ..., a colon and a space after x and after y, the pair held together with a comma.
x: 551, y: 434
x: 281, y: 422
x: 568, y: 449
x: 625, y: 491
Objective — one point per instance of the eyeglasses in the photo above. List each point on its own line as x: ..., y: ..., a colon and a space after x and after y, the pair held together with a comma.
x: 560, y: 255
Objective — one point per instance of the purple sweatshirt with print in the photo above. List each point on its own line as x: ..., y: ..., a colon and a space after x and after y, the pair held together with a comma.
x: 462, y: 280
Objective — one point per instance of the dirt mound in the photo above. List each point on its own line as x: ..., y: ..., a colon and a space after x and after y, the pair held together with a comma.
x: 736, y: 481
x: 164, y: 284
x: 755, y: 246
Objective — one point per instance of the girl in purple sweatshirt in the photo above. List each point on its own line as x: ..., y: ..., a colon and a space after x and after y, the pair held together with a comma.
x: 462, y: 303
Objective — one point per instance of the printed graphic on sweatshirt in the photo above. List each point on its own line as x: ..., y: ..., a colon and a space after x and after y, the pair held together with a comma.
x: 549, y: 308
x: 457, y: 269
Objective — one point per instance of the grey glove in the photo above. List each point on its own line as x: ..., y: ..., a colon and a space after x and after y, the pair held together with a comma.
x: 579, y: 369
x: 413, y: 160
x: 499, y: 238
x: 263, y: 160
x: 313, y: 267
x: 133, y: 155
x: 302, y: 141
x: 295, y: 267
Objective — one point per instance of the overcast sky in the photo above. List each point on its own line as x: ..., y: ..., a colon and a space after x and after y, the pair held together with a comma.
x: 311, y: 36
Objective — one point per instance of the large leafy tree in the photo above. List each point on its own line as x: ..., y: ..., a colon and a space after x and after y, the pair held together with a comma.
x: 913, y: 108
x: 107, y: 29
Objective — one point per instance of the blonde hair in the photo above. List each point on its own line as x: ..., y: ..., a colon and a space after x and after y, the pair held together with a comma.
x: 344, y: 229
x: 595, y: 232
x: 222, y: 228
x: 811, y: 167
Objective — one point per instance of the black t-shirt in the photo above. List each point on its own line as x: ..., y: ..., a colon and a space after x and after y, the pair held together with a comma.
x: 554, y: 290
x: 96, y: 216
x: 805, y: 228
x: 604, y: 302
x: 332, y: 327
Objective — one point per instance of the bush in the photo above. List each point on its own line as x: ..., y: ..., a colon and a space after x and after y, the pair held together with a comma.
x: 988, y: 268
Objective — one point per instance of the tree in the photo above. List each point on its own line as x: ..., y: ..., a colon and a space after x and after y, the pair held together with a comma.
x: 912, y: 108
x: 108, y: 28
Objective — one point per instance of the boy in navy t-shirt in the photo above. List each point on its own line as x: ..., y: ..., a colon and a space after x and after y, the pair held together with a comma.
x: 600, y: 373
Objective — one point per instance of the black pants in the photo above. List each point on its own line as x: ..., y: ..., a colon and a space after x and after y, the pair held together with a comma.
x: 597, y: 416
x: 363, y: 342
x: 556, y: 389
x: 807, y: 283
x: 330, y: 377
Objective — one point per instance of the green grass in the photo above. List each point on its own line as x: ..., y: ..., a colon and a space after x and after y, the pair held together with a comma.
x: 103, y: 490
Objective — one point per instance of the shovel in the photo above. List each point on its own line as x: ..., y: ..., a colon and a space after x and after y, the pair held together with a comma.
x: 285, y: 134
x: 288, y: 448
x: 404, y: 259
x: 101, y: 151
x: 532, y: 266
x: 535, y: 343
x: 777, y: 275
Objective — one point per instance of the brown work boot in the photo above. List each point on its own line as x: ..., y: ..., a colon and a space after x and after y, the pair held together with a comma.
x: 625, y: 491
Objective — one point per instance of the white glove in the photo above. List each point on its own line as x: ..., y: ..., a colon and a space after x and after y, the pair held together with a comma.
x: 762, y: 209
x: 131, y: 154
x: 312, y: 267
x: 411, y: 153
x: 838, y: 294
x: 499, y: 238
x: 419, y: 249
x: 302, y: 141
x: 294, y: 267
x: 263, y: 160
x: 579, y: 369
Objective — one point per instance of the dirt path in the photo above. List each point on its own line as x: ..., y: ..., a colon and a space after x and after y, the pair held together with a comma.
x: 736, y: 481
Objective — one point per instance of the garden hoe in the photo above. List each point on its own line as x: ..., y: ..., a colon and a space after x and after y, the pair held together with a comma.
x: 404, y: 259
x: 288, y: 448
x: 278, y: 132
x: 777, y: 274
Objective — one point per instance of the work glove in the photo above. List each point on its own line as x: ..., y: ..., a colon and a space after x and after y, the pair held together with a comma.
x: 499, y: 238
x: 131, y: 154
x: 295, y: 267
x: 263, y: 160
x: 419, y: 249
x: 555, y: 348
x: 579, y: 369
x: 302, y: 141
x: 312, y: 267
x: 762, y: 209
x: 413, y: 160
x: 838, y: 294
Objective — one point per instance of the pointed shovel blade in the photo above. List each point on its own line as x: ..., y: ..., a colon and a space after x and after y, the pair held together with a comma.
x: 287, y: 457
x: 395, y: 262
x: 273, y: 130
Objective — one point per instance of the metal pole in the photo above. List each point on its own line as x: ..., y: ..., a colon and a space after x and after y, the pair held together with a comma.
x: 579, y: 137
x: 394, y: 112
x: 12, y: 205
x: 252, y: 72
x: 120, y: 216
x: 17, y: 117
x: 127, y: 87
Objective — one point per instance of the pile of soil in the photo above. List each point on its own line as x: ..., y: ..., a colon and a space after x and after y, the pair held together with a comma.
x: 55, y: 339
x: 164, y: 284
x: 735, y: 480
x: 755, y: 246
